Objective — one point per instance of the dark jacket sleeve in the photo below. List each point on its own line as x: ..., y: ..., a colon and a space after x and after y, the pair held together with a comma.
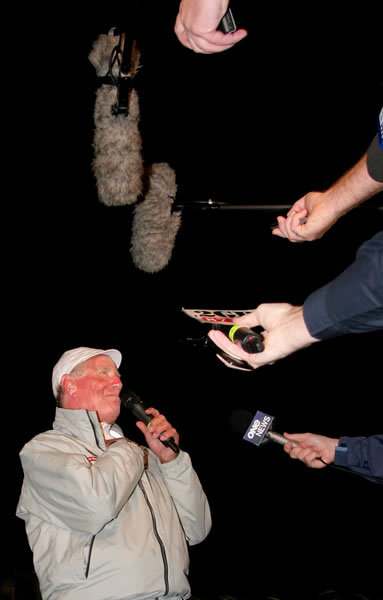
x: 353, y: 301
x: 375, y: 153
x: 361, y: 454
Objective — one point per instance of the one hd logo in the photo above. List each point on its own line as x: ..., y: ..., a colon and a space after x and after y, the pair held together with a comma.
x: 258, y: 428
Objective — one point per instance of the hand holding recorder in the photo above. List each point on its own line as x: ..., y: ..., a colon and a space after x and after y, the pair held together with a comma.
x: 284, y: 332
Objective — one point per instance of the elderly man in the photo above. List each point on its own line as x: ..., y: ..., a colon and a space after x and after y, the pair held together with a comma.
x: 105, y: 517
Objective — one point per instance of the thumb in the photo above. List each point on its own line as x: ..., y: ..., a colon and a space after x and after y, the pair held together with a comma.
x: 249, y: 320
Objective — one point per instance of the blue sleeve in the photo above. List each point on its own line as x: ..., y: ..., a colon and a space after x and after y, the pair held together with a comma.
x: 375, y: 153
x: 375, y: 160
x: 353, y: 301
x: 361, y: 454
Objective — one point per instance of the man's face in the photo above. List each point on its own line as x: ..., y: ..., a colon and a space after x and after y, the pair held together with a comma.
x: 97, y: 388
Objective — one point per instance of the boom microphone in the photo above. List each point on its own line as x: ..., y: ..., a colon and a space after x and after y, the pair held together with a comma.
x: 154, y: 226
x: 131, y: 401
x: 258, y: 429
x: 117, y: 163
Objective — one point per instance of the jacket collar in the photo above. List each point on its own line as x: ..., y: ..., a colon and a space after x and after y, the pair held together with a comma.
x: 82, y: 424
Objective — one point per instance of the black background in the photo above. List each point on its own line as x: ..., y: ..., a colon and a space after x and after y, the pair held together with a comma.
x: 286, y: 111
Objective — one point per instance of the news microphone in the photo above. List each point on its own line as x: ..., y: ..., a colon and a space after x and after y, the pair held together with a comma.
x: 258, y: 429
x: 247, y: 338
x: 131, y: 401
x: 117, y: 163
x: 155, y: 226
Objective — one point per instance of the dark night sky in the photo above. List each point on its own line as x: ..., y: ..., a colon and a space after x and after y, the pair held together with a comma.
x: 285, y: 112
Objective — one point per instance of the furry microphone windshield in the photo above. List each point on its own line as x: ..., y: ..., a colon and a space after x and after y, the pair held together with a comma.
x: 117, y: 163
x: 155, y: 227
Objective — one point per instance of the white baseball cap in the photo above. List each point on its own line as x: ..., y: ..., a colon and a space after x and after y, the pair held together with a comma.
x: 71, y: 358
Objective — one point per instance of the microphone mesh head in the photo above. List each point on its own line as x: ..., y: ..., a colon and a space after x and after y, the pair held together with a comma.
x: 128, y: 397
x: 240, y: 420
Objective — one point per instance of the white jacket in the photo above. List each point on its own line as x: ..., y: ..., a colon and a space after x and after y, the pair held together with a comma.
x: 108, y: 523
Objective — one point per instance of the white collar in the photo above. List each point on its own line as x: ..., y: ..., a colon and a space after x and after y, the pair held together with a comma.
x: 109, y: 433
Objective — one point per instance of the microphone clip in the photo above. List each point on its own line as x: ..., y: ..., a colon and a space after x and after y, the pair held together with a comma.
x: 125, y: 54
x: 122, y: 67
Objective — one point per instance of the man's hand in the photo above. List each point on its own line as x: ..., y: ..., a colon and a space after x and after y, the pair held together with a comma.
x: 157, y: 431
x: 311, y: 216
x: 196, y: 26
x: 312, y: 447
x: 284, y: 332
x: 308, y: 219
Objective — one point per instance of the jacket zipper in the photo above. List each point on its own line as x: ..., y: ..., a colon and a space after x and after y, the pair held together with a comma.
x: 160, y: 542
x: 89, y: 555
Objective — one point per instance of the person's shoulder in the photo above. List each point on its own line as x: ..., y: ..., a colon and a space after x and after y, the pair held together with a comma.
x: 46, y: 439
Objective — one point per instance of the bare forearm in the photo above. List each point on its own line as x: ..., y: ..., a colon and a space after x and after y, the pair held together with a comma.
x: 311, y: 216
x: 353, y: 188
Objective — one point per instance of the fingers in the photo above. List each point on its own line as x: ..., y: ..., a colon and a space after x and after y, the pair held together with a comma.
x: 222, y: 341
x: 249, y: 320
x: 159, y: 427
x: 216, y: 41
x: 235, y: 351
x: 304, y: 452
x: 231, y: 365
x: 293, y: 226
x: 297, y: 437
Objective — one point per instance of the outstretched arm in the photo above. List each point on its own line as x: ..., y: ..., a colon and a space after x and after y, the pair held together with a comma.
x: 310, y: 448
x: 311, y: 216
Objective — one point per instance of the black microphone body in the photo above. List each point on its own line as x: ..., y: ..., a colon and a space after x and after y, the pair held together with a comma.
x: 247, y: 338
x: 130, y: 400
x: 227, y: 23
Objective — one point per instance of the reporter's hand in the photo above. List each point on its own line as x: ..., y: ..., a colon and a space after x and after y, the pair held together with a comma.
x: 196, y: 26
x: 311, y: 447
x: 284, y: 332
x: 157, y: 431
x: 308, y: 219
x: 311, y: 216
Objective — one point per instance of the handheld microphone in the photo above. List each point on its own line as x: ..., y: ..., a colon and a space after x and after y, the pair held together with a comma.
x: 247, y: 338
x: 258, y: 429
x: 259, y: 432
x: 131, y: 401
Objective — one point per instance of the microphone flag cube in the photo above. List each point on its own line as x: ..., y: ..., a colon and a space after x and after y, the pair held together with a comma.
x: 258, y: 428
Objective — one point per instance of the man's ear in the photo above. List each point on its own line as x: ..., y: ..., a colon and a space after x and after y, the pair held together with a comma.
x: 68, y: 385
